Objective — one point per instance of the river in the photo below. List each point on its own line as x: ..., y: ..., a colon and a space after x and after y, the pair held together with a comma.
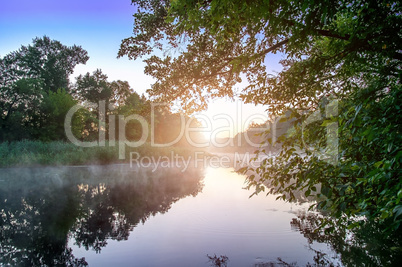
x: 117, y: 215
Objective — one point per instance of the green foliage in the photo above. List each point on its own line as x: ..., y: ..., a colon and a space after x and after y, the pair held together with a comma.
x: 35, y: 96
x: 54, y: 108
x: 347, y: 51
x: 37, y: 153
x: 218, y: 40
x: 363, y: 246
x: 362, y: 178
x: 28, y: 78
x: 95, y: 88
x: 370, y: 154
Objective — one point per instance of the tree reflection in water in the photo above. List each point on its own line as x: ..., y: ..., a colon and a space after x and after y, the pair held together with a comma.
x: 42, y: 208
x: 218, y: 261
x: 364, y: 246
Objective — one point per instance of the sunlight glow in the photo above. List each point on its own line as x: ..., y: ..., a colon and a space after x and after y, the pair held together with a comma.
x: 226, y: 119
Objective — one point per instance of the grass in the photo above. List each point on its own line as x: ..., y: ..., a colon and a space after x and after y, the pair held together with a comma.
x: 36, y: 153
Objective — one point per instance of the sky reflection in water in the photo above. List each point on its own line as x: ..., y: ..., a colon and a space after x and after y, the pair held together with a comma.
x: 116, y: 215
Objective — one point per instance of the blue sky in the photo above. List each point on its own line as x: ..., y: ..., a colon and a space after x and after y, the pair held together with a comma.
x: 98, y: 26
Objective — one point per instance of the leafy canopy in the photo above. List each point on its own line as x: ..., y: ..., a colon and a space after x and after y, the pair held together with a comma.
x: 218, y: 43
x: 343, y: 50
x: 30, y: 78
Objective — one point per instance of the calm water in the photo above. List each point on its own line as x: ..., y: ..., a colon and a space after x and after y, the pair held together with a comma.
x: 115, y: 215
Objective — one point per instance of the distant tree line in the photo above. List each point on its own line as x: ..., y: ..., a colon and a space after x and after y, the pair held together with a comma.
x: 36, y: 94
x: 257, y: 136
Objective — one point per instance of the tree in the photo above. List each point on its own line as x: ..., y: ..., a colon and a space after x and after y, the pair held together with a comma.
x: 343, y: 50
x: 221, y: 39
x: 94, y: 88
x: 19, y: 104
x: 54, y: 108
x: 29, y: 75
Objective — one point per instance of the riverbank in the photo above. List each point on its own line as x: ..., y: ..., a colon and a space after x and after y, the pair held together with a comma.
x: 36, y: 153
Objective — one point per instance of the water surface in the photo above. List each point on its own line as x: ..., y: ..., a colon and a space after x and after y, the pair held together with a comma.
x: 116, y: 215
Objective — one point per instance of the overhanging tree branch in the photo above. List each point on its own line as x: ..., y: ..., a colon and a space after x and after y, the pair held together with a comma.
x: 327, y: 33
x: 272, y: 48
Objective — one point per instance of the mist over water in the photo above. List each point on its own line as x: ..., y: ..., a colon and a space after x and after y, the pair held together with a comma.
x: 102, y: 215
